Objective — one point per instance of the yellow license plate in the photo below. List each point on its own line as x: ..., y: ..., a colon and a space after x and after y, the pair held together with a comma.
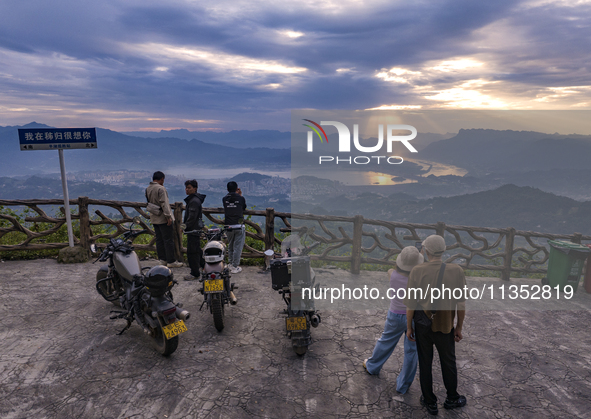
x: 296, y: 323
x: 213, y: 285
x: 174, y: 329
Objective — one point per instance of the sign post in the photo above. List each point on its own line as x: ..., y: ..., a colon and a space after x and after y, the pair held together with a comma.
x: 66, y: 198
x: 59, y: 139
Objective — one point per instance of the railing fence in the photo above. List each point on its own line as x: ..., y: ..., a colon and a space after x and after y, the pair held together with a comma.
x: 383, y: 237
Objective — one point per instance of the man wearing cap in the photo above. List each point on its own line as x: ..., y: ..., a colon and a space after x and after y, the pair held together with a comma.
x: 441, y: 315
x: 396, y: 324
x: 234, y: 206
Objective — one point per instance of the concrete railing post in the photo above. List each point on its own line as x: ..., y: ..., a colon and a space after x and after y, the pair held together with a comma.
x: 509, y: 241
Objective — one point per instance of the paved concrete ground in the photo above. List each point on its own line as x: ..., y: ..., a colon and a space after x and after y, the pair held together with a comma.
x: 60, y: 357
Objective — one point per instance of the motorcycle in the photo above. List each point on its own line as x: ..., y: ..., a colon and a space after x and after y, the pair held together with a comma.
x: 217, y: 290
x: 143, y: 297
x: 290, y: 273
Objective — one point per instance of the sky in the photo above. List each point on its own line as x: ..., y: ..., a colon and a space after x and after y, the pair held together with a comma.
x: 148, y: 65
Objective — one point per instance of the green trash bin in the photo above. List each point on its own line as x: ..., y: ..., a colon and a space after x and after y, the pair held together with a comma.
x: 565, y: 264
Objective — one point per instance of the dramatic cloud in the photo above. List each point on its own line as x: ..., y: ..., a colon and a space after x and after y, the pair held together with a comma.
x: 245, y: 64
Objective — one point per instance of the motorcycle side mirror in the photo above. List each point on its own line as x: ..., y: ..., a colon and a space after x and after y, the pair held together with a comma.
x: 269, y: 252
x: 137, y: 220
x: 93, y: 248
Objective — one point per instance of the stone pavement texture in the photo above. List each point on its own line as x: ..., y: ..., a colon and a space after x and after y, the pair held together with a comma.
x: 60, y: 357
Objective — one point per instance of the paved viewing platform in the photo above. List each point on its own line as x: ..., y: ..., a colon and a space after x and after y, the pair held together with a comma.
x: 60, y: 356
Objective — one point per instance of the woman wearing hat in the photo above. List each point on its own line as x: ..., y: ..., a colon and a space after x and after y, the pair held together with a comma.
x: 395, y: 326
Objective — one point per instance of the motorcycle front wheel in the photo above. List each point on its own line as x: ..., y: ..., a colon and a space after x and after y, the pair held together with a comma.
x: 217, y: 309
x: 162, y: 345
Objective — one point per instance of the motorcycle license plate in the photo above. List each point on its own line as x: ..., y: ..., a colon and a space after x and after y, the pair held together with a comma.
x: 296, y: 323
x: 213, y: 285
x: 174, y: 329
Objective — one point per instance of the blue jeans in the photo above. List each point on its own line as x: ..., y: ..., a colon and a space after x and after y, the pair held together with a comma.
x: 395, y: 327
x: 235, y: 244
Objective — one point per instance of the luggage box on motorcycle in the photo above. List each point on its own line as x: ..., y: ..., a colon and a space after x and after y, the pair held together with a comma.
x: 286, y: 270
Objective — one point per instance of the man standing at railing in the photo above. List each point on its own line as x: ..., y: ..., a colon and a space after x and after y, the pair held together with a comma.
x: 193, y: 221
x: 234, y: 206
x: 434, y: 321
x: 162, y: 218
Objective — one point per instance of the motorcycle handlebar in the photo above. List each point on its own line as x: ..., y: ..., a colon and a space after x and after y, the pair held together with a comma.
x: 134, y: 233
x: 305, y: 250
x: 208, y: 232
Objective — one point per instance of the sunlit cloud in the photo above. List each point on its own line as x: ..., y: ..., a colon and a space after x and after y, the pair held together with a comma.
x: 562, y: 3
x: 292, y: 34
x: 467, y: 95
x: 394, y: 107
x: 238, y: 65
x: 552, y: 94
x: 456, y: 65
x: 398, y: 75
x: 272, y: 86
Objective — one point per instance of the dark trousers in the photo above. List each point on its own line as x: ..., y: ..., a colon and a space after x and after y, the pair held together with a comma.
x: 445, y: 344
x: 194, y: 254
x: 164, y: 242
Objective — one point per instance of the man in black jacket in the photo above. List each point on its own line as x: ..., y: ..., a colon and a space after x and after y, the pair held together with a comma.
x: 234, y: 206
x: 193, y: 221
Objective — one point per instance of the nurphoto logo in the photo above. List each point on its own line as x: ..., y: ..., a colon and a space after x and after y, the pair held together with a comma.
x: 345, y: 142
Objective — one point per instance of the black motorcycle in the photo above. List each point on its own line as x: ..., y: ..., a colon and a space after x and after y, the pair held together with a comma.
x: 144, y: 297
x: 290, y: 274
x: 217, y: 289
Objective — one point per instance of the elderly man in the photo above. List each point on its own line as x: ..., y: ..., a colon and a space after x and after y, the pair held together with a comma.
x: 434, y: 323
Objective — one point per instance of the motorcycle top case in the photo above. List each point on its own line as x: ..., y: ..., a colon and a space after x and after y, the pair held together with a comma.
x: 294, y: 270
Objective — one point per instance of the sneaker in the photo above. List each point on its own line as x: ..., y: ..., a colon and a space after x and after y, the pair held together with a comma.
x: 235, y: 270
x: 162, y: 262
x: 452, y: 404
x: 175, y: 264
x: 190, y: 278
x: 431, y: 408
x: 365, y: 365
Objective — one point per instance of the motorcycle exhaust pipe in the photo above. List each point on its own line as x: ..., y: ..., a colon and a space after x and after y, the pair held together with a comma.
x: 314, y: 320
x: 182, y: 314
x: 233, y: 299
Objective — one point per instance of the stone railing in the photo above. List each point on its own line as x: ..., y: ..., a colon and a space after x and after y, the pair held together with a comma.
x: 354, y: 240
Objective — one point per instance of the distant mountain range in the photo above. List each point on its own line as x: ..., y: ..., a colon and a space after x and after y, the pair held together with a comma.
x: 117, y: 151
x: 483, y: 151
x: 524, y: 208
x: 552, y: 162
x: 235, y: 138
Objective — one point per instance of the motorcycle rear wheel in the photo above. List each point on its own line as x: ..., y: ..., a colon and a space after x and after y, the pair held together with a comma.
x: 217, y: 308
x: 300, y: 350
x: 162, y: 345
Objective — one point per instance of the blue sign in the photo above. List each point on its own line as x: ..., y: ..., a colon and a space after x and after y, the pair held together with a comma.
x: 56, y: 138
